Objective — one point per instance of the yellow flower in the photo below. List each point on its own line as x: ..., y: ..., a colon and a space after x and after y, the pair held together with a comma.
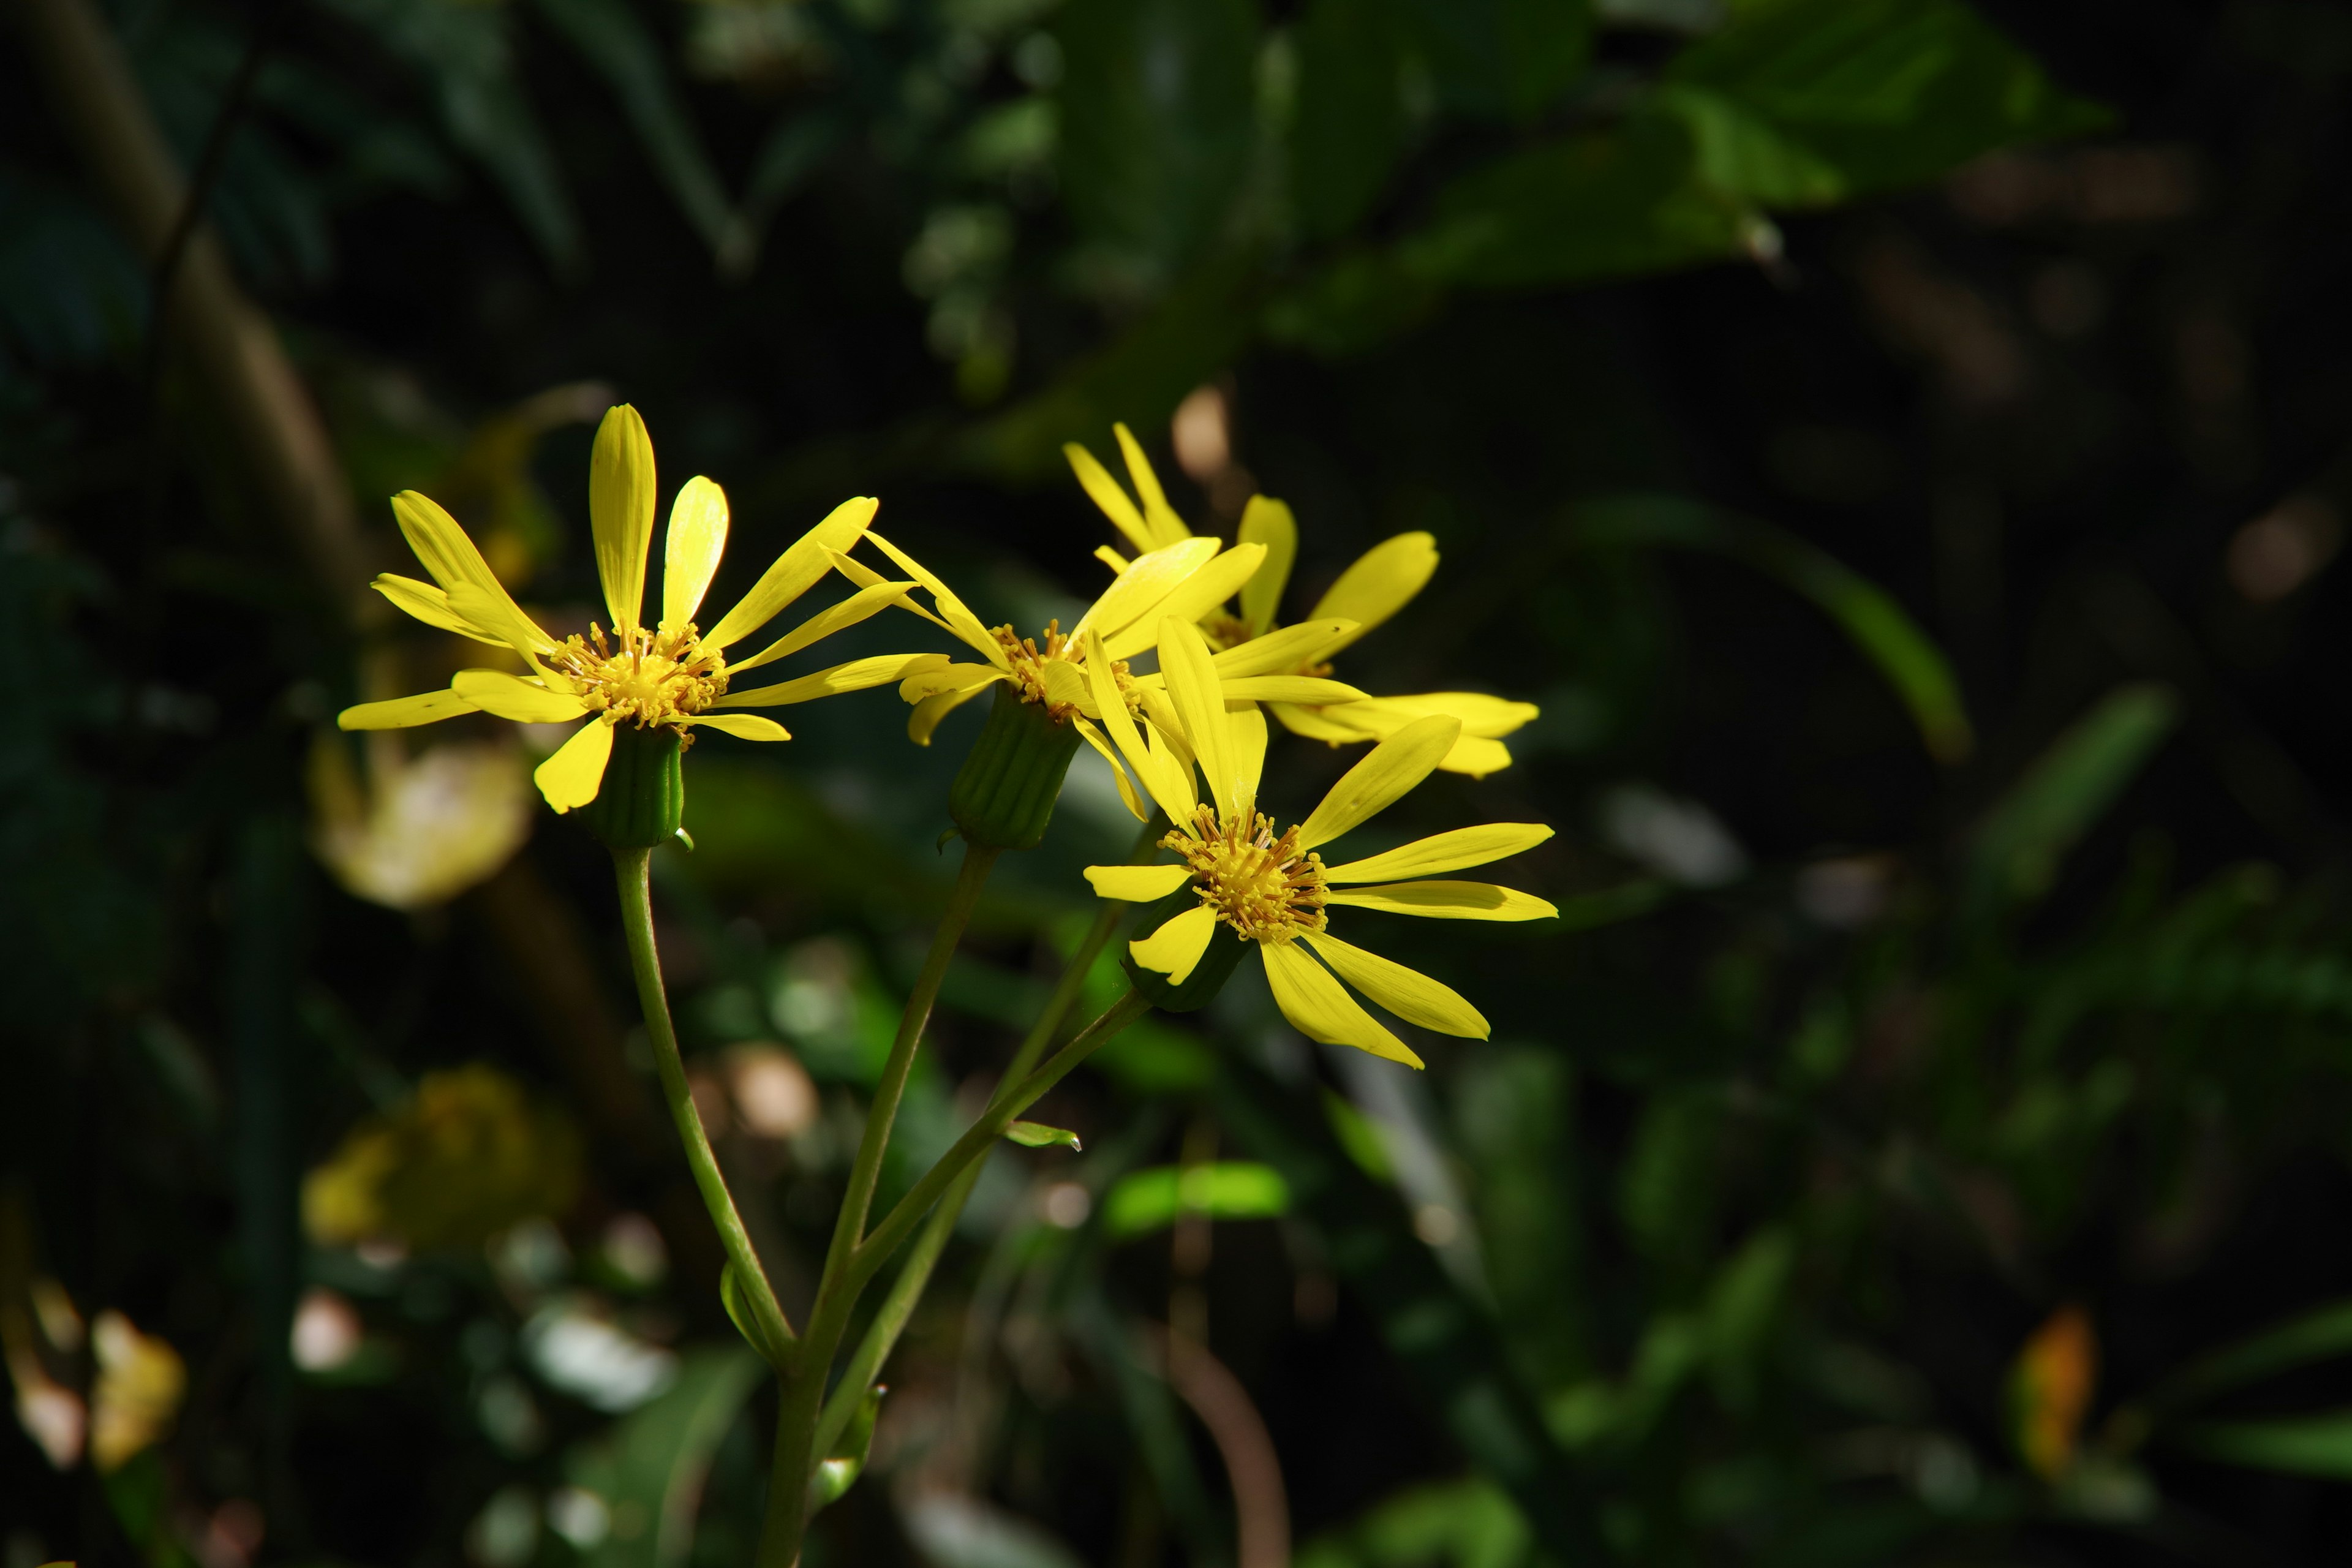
x: 1382, y: 580
x: 417, y: 831
x: 671, y: 674
x: 141, y: 1380
x: 1273, y: 888
x: 1181, y: 582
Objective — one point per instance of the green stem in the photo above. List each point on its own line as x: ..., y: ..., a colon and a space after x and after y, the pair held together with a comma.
x: 632, y: 869
x: 915, y: 1274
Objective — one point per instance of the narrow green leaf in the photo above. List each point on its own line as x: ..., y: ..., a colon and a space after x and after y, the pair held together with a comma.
x: 2026, y: 835
x: 739, y: 1310
x: 839, y: 1471
x: 2321, y: 1334
x: 1037, y: 1135
x: 2304, y: 1445
x: 1150, y: 1200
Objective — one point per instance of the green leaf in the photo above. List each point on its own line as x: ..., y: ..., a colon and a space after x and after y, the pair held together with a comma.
x: 1360, y: 1137
x: 2303, y: 1446
x: 2027, y: 833
x: 1811, y: 101
x: 648, y: 1468
x: 1351, y: 119
x: 1037, y: 1135
x: 1877, y: 626
x: 839, y: 1471
x: 1150, y: 1200
x: 1500, y: 60
x: 1466, y: 1523
x: 2320, y: 1334
x: 739, y: 1310
x: 1158, y: 101
x: 615, y: 43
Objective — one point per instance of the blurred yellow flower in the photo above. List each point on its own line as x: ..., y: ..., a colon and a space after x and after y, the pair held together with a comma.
x: 1273, y: 890
x: 466, y: 1157
x: 1381, y: 582
x: 417, y: 831
x: 672, y: 673
x: 2050, y: 1391
x: 139, y: 1382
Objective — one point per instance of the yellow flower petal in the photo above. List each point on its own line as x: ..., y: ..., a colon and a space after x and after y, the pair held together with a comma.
x: 1267, y: 522
x: 1321, y: 1009
x: 1127, y: 791
x: 1284, y: 652
x: 1477, y: 756
x: 1247, y: 727
x: 861, y: 605
x: 1450, y: 851
x: 698, y: 538
x: 743, y: 726
x: 1160, y: 519
x: 1104, y: 492
x: 1380, y: 582
x: 1200, y: 701
x: 621, y: 510
x: 1173, y: 793
x: 1137, y: 884
x: 927, y: 714
x: 403, y: 712
x: 965, y: 627
x: 795, y: 572
x: 956, y: 615
x: 430, y: 604
x: 1189, y: 600
x: 1447, y: 901
x: 1175, y: 949
x: 443, y: 547
x: 504, y: 696
x: 1316, y: 725
x: 1481, y: 715
x: 967, y: 679
x: 1409, y: 993
x: 1387, y: 772
x: 1110, y: 558
x: 1066, y: 687
x: 857, y: 675
x: 569, y: 778
x: 1313, y: 691
x: 494, y: 612
x: 1140, y: 588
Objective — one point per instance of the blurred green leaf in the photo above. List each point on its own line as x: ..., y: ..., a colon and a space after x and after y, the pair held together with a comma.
x: 1459, y: 1524
x: 2321, y: 1334
x: 1349, y: 123
x: 2026, y: 835
x: 1145, y: 1201
x: 1037, y: 1135
x: 1868, y: 614
x: 2301, y: 1446
x: 648, y: 1471
x: 739, y: 1311
x: 1500, y: 60
x: 1158, y: 103
x: 838, y: 1471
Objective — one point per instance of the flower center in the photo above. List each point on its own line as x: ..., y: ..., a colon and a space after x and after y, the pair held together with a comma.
x: 653, y: 677
x: 1258, y: 884
x: 1029, y: 660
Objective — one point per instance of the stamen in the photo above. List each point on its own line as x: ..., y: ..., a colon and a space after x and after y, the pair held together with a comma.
x: 1260, y: 885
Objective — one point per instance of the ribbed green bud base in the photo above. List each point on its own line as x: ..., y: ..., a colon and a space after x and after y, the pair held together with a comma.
x: 1224, y: 954
x: 643, y: 798
x: 1003, y: 794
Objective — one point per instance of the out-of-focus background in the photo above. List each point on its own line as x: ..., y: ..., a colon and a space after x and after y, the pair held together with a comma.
x: 1900, y: 443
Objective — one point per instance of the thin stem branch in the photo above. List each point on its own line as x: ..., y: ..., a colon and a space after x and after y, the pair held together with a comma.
x: 631, y: 871
x: 915, y: 1275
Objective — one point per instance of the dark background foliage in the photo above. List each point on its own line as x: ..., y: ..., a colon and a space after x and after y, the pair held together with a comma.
x: 1898, y: 442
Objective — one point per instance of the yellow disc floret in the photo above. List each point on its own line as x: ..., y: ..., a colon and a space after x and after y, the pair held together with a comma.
x: 1027, y: 659
x: 1258, y: 884
x: 653, y: 677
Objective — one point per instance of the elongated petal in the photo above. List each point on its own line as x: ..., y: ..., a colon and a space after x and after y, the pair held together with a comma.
x: 1175, y: 949
x: 493, y: 611
x: 1190, y: 599
x: 1147, y: 580
x: 1288, y: 652
x: 1447, y: 901
x: 1200, y: 702
x: 430, y: 604
x: 795, y: 572
x: 1309, y: 690
x: 496, y: 693
x: 1067, y: 687
x: 957, y: 615
x: 967, y: 629
x: 967, y: 679
x: 1137, y: 884
x: 1381, y: 582
x: 1160, y: 519
x: 1170, y: 752
x: 439, y: 543
x: 1316, y: 725
x: 743, y: 726
x: 1127, y: 791
x: 569, y: 778
x: 1482, y: 715
x: 1104, y: 492
x: 698, y: 538
x: 1387, y: 772
x: 1321, y: 1009
x: 1110, y: 558
x: 1172, y: 793
x: 621, y: 510
x: 927, y: 714
x: 1451, y: 851
x: 864, y: 605
x: 1247, y: 727
x: 857, y: 675
x: 403, y: 712
x: 1476, y: 757
x: 1267, y: 522
x: 1409, y: 993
